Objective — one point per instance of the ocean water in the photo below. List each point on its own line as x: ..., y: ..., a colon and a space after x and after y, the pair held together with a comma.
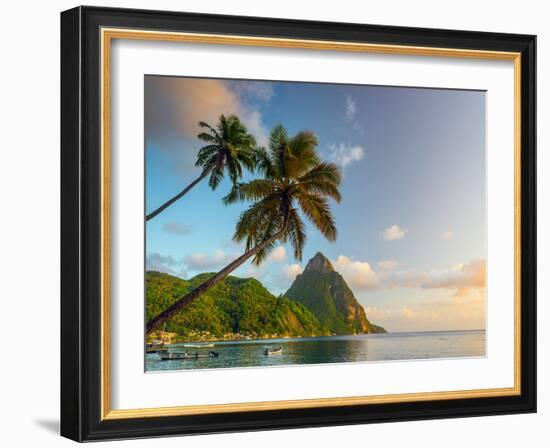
x: 329, y: 349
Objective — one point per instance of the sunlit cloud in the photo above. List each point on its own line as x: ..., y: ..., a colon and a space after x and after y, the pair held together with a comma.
x: 357, y: 273
x: 377, y: 314
x: 174, y: 106
x: 386, y: 265
x: 435, y: 311
x: 290, y: 271
x: 393, y: 233
x: 202, y: 262
x: 457, y: 313
x: 460, y: 278
x: 275, y: 273
x: 447, y: 235
x: 278, y: 255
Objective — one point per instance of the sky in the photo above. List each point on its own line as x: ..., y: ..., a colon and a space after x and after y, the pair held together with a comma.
x: 411, y: 225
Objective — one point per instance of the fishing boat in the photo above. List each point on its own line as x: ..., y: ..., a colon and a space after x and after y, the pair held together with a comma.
x: 273, y: 351
x: 171, y: 356
x: 198, y: 345
x: 157, y: 345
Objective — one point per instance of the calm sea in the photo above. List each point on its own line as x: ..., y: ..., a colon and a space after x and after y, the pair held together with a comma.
x: 330, y: 349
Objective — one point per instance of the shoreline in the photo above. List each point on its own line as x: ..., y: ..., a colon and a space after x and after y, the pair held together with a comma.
x: 305, y: 338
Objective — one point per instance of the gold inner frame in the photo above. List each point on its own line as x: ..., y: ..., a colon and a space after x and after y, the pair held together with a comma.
x: 107, y: 35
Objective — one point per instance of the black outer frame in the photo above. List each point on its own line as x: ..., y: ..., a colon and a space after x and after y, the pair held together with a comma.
x: 80, y: 224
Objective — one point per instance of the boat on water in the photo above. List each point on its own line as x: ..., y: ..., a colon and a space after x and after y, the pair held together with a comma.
x: 155, y: 347
x: 273, y: 351
x: 198, y: 345
x: 171, y: 356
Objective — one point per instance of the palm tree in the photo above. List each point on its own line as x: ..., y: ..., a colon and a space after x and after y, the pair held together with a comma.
x: 228, y: 147
x: 294, y: 182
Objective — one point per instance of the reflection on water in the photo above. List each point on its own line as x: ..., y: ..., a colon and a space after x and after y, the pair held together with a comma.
x: 332, y: 349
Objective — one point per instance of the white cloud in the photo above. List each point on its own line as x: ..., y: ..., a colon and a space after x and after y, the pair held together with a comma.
x: 278, y: 255
x: 358, y: 274
x: 345, y: 155
x: 156, y: 259
x: 408, y: 313
x: 351, y: 108
x: 460, y: 278
x: 165, y: 263
x: 351, y: 112
x: 176, y: 228
x: 290, y: 271
x: 254, y: 124
x: 393, y: 233
x: 201, y: 262
x: 377, y: 314
x: 447, y: 235
x: 256, y: 90
x: 458, y: 313
x: 356, y: 126
x: 386, y: 265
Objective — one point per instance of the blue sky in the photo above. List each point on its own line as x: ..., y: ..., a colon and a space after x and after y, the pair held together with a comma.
x: 411, y: 240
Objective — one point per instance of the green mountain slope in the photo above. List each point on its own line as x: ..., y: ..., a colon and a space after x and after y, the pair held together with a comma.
x: 232, y: 309
x: 324, y: 291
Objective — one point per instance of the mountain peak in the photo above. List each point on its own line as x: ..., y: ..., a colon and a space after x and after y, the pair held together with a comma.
x: 330, y: 299
x: 319, y: 263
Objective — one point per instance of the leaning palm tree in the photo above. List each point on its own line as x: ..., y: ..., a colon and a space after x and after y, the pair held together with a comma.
x: 228, y: 147
x: 294, y: 182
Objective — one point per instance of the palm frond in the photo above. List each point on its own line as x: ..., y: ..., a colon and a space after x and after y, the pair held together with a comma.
x: 324, y: 180
x: 263, y: 163
x: 206, y: 137
x: 247, y: 158
x: 253, y: 220
x: 234, y: 169
x: 303, y: 145
x: 259, y: 240
x: 216, y: 175
x: 301, y: 154
x: 272, y: 224
x: 214, y: 132
x: 205, y: 154
x: 278, y: 150
x: 292, y: 174
x: 296, y: 233
x: 254, y: 190
x: 230, y: 148
x: 317, y: 210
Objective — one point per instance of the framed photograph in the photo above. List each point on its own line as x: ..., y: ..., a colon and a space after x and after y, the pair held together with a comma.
x: 272, y: 223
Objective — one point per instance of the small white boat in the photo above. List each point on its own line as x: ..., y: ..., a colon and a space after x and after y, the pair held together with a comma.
x: 273, y: 351
x: 157, y: 345
x: 198, y: 345
x: 155, y: 348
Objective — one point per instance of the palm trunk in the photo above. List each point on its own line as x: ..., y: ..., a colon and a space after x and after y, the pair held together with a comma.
x: 176, y: 197
x: 203, y: 287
